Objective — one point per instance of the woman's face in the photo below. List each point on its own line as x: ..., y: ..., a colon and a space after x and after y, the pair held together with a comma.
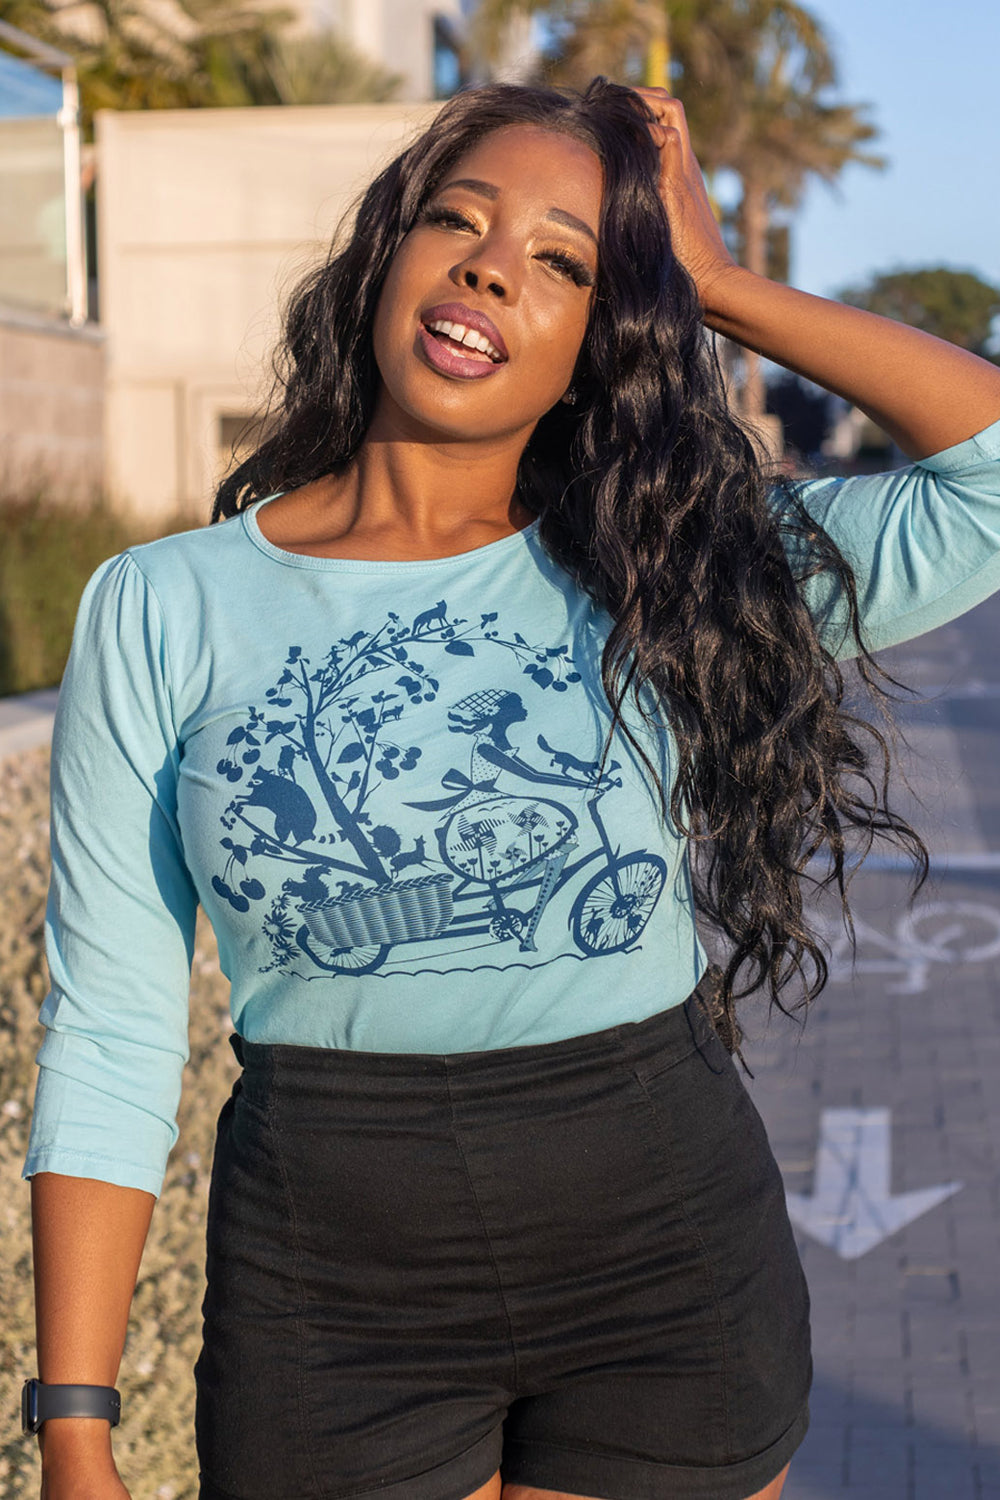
x: 504, y: 255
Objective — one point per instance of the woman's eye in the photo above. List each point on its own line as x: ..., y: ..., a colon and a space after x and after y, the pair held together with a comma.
x: 566, y: 264
x: 449, y: 217
x: 569, y: 265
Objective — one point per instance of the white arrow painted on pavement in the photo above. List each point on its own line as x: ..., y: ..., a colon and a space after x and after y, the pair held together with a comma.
x: 852, y: 1209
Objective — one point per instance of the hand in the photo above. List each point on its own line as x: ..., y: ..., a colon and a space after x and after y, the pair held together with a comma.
x: 694, y: 230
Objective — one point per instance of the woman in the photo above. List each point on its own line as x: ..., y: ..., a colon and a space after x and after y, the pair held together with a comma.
x: 491, y: 1211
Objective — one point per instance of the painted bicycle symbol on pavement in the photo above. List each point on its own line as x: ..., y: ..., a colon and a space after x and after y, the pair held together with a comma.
x: 941, y: 934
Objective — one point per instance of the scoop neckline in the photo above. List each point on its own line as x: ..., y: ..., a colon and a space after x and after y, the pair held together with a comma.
x: 374, y: 564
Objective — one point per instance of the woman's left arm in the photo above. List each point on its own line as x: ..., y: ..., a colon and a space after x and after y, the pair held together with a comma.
x: 925, y: 393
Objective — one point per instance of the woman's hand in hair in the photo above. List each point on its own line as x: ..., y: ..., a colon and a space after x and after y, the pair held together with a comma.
x: 694, y: 230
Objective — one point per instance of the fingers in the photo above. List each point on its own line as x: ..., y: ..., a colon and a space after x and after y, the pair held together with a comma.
x: 666, y: 107
x: 666, y: 135
x: 669, y: 127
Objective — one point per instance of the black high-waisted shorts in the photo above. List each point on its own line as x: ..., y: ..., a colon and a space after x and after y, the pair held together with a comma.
x: 571, y: 1262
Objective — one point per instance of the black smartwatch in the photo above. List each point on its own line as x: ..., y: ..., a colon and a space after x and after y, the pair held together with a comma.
x: 40, y: 1402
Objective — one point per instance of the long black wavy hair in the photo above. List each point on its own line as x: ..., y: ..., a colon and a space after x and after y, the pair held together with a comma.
x: 653, y: 497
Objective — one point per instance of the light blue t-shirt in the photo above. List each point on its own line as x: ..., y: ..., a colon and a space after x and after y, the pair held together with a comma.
x: 382, y: 781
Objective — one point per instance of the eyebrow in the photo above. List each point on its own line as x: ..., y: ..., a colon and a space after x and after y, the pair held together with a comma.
x: 492, y: 192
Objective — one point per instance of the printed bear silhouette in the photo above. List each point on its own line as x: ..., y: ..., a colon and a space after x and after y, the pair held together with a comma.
x: 294, y: 814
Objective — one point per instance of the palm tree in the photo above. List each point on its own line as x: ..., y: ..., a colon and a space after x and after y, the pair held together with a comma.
x: 587, y: 36
x: 755, y: 77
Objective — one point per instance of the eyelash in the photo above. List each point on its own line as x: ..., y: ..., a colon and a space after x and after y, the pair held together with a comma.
x: 577, y: 270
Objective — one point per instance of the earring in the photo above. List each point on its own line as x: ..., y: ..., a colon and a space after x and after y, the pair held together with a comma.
x: 570, y: 397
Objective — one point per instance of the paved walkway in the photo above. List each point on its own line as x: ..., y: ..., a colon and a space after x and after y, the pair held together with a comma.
x: 26, y: 721
x: 885, y: 1118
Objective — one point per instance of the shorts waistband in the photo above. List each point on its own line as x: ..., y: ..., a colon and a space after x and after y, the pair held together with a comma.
x: 677, y: 1030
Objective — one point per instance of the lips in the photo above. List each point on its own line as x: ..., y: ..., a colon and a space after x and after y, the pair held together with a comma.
x: 473, y: 328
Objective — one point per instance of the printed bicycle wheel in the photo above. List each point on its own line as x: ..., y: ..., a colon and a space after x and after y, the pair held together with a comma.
x: 361, y: 960
x: 613, y: 908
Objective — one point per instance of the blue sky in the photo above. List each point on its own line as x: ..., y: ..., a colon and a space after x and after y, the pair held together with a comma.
x: 931, y: 72
x: 25, y: 90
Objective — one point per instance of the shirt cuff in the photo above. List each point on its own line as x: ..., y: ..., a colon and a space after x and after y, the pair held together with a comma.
x: 981, y: 447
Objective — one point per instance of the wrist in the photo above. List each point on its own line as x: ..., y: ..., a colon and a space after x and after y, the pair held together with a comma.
x: 722, y: 293
x: 726, y: 294
x: 65, y: 1441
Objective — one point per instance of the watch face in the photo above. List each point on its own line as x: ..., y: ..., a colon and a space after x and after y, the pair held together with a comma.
x: 29, y: 1406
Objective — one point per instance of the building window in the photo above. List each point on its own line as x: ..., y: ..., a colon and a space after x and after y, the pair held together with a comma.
x: 450, y: 71
x: 239, y: 433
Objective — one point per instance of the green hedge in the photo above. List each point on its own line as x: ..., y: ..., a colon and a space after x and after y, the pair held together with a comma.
x: 46, y: 556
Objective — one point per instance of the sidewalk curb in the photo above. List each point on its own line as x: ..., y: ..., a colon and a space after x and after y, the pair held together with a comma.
x: 26, y: 721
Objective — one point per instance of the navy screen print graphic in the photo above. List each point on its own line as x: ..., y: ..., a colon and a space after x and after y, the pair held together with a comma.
x: 320, y: 772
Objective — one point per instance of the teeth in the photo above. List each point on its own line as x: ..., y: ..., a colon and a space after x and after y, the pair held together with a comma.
x: 467, y: 336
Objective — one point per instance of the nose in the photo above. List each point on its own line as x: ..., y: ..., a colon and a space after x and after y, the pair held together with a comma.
x: 471, y: 278
x: 484, y: 269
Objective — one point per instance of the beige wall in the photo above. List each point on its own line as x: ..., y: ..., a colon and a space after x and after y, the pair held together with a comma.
x: 51, y: 406
x: 207, y: 217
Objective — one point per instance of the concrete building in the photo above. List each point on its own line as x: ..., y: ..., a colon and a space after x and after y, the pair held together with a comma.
x: 409, y: 37
x: 51, y: 363
x: 206, y: 219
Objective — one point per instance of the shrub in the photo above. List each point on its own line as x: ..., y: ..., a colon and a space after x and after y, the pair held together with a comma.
x: 154, y: 1446
x: 48, y: 553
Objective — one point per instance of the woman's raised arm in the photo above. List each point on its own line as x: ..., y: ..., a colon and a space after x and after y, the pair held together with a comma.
x: 925, y: 393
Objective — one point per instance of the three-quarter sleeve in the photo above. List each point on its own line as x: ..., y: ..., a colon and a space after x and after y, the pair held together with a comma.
x: 924, y: 542
x: 121, y: 909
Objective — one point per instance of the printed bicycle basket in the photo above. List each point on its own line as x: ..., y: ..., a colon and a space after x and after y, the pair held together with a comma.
x: 411, y: 909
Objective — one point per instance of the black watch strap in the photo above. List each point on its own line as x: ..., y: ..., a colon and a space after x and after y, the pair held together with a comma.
x: 40, y: 1402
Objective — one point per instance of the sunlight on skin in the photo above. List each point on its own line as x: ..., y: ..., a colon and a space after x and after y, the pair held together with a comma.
x: 494, y: 1491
